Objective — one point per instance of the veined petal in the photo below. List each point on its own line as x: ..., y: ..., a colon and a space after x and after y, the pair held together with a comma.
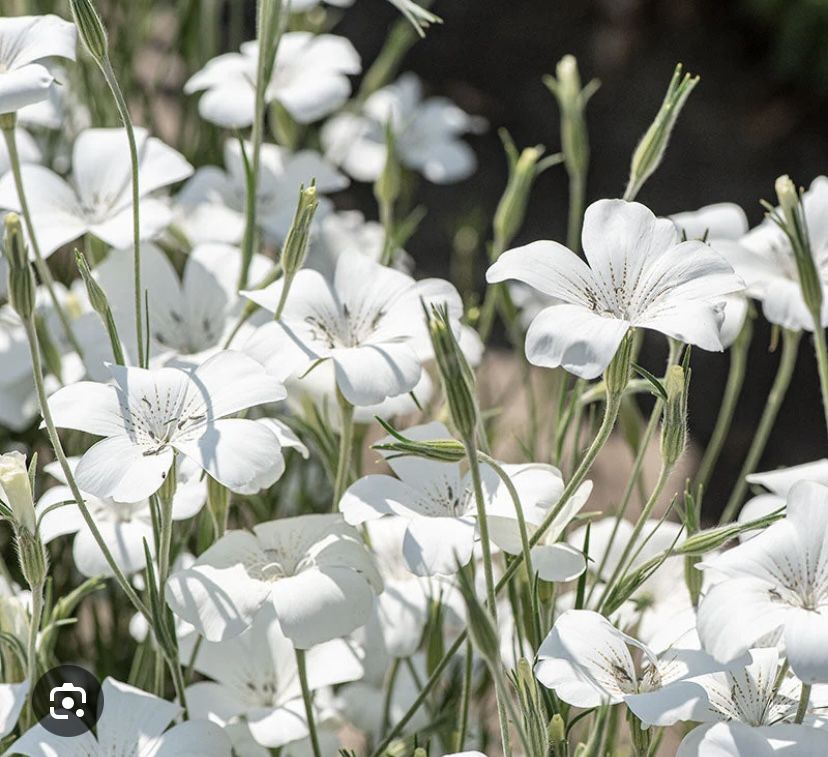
x: 575, y: 338
x: 88, y: 406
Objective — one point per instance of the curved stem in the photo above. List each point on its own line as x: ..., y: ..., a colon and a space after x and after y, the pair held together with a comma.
x: 822, y: 363
x: 40, y: 264
x: 784, y: 373
x: 389, y: 692
x: 284, y: 295
x: 346, y: 439
x: 123, y: 112
x: 307, y: 698
x: 733, y: 390
x: 804, y: 698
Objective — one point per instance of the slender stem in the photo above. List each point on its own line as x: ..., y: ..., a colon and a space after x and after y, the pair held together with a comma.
x: 288, y: 280
x: 391, y: 679
x: 733, y: 390
x: 34, y: 627
x: 822, y: 363
x: 123, y: 112
x: 42, y: 269
x: 488, y: 573
x: 784, y: 373
x: 465, y: 699
x: 577, y: 194
x: 307, y: 697
x: 387, y: 217
x: 804, y: 698
x: 346, y: 440
x: 607, y: 424
x: 621, y: 566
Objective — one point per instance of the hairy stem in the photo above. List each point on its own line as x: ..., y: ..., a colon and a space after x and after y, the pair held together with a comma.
x: 307, y: 698
x: 346, y: 439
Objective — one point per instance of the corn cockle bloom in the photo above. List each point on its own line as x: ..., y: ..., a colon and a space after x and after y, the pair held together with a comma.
x: 309, y: 80
x: 123, y: 525
x: 255, y: 679
x: 775, y: 585
x: 146, y: 416
x: 640, y: 275
x: 98, y: 198
x: 25, y: 41
x: 313, y: 569
x: 427, y: 134
x: 212, y: 203
x: 132, y: 722
x: 369, y: 322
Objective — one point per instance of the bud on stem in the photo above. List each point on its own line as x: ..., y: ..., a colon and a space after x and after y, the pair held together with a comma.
x: 91, y: 29
x: 21, y: 283
x: 674, y: 424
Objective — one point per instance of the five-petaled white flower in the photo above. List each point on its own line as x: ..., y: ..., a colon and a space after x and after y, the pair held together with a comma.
x: 132, y: 722
x: 313, y: 569
x: 149, y: 415
x: 369, y: 322
x: 255, y: 678
x: 212, y: 203
x: 310, y: 80
x: 775, y: 586
x: 639, y: 275
x: 25, y: 41
x: 98, y: 199
x: 426, y: 134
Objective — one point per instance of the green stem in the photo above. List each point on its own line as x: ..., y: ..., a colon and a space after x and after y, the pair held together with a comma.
x: 822, y: 363
x: 733, y: 390
x: 804, y: 698
x: 577, y: 194
x: 307, y: 698
x: 34, y: 627
x: 784, y: 373
x: 389, y: 692
x: 465, y: 699
x: 387, y: 218
x: 123, y: 112
x: 286, y: 284
x: 42, y: 269
x: 346, y: 438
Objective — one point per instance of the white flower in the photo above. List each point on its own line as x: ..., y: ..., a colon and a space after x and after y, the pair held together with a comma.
x: 212, y: 202
x: 778, y: 483
x: 255, y: 678
x: 313, y: 569
x: 24, y: 42
x: 310, y: 80
x: 123, y: 525
x: 191, y: 316
x: 426, y: 134
x: 764, y: 259
x: 369, y: 322
x: 148, y: 415
x: 775, y: 585
x: 16, y: 489
x: 132, y: 722
x: 639, y: 275
x: 747, y: 714
x: 98, y: 199
x: 12, y: 698
x: 587, y: 661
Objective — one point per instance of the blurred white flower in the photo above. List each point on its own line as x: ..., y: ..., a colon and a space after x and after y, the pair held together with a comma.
x: 24, y: 43
x: 132, y: 722
x: 369, y: 322
x: 211, y: 204
x: 775, y: 585
x: 587, y: 661
x: 98, y: 199
x: 310, y: 80
x: 313, y: 569
x: 124, y: 526
x: 255, y: 679
x: 639, y: 276
x: 427, y: 134
x: 26, y: 147
x: 12, y: 698
x: 148, y: 415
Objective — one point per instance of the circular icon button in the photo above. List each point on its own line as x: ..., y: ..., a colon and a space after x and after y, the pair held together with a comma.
x: 67, y: 700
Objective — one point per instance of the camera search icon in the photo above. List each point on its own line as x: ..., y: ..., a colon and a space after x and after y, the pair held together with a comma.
x: 67, y: 700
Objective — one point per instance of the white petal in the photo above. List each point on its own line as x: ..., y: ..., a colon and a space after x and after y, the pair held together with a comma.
x: 24, y: 86
x: 193, y: 738
x: 732, y: 739
x: 131, y: 716
x: 277, y: 726
x: 125, y: 542
x: 368, y: 374
x: 438, y: 546
x: 442, y: 162
x: 723, y: 220
x: 804, y: 637
x: 31, y: 38
x: 558, y: 562
x: 90, y: 407
x: 12, y: 699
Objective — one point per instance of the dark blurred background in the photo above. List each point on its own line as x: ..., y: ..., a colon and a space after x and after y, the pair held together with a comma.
x: 759, y: 111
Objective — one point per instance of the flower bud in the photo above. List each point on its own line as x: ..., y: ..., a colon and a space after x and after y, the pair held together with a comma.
x: 34, y: 563
x: 388, y: 184
x: 557, y: 735
x: 90, y: 29
x: 674, y: 423
x: 650, y: 150
x: 457, y: 376
x: 16, y: 489
x: 21, y: 283
x: 617, y: 373
x: 97, y: 296
x: 296, y: 244
x: 791, y: 219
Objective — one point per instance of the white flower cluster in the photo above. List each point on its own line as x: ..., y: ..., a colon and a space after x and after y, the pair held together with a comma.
x: 197, y: 405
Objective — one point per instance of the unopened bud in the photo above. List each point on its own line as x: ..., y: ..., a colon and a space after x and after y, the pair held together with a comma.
x: 16, y: 490
x: 21, y: 283
x: 90, y: 29
x: 34, y: 564
x: 97, y: 296
x: 650, y: 150
x: 296, y: 244
x: 617, y: 373
x: 457, y: 376
x: 388, y: 184
x: 556, y: 730
x: 674, y: 424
